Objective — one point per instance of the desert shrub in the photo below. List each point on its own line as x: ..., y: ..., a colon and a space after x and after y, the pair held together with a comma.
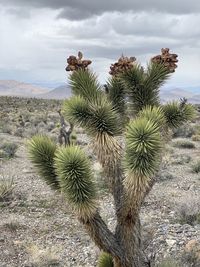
x: 168, y: 263
x: 73, y: 138
x: 35, y: 120
x: 181, y: 159
x: 43, y: 257
x: 5, y: 128
x: 6, y: 188
x: 184, y: 131
x: 188, y: 211
x: 2, y: 154
x: 9, y: 149
x: 30, y: 132
x: 27, y: 124
x: 41, y: 125
x: 184, y: 144
x: 191, y: 255
x: 197, y: 129
x: 190, y: 259
x: 165, y: 175
x: 19, y: 132
x: 26, y: 116
x: 196, y: 137
x: 50, y: 126
x: 196, y: 167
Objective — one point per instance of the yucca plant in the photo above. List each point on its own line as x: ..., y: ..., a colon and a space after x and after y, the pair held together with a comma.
x: 127, y: 126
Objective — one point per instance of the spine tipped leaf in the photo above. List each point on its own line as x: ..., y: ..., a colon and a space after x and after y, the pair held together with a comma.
x: 99, y: 117
x: 188, y: 112
x: 76, y: 180
x: 41, y: 151
x: 177, y: 114
x: 116, y: 95
x: 104, y: 118
x: 143, y: 147
x: 156, y: 76
x: 153, y: 114
x: 132, y: 81
x: 142, y: 87
x: 84, y: 83
x: 105, y: 260
x: 77, y: 111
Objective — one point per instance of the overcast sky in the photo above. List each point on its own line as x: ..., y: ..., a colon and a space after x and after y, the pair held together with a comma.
x: 37, y: 36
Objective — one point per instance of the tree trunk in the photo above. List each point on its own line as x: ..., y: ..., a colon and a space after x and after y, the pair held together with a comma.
x: 128, y: 235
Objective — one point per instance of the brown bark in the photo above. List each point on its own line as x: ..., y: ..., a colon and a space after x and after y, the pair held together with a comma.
x: 126, y: 245
x: 104, y: 238
x: 128, y: 235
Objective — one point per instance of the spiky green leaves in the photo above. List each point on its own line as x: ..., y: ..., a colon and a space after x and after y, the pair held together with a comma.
x: 156, y: 76
x: 132, y: 81
x: 84, y: 83
x: 67, y: 169
x: 97, y: 117
x: 177, y: 114
x: 42, y: 150
x: 154, y: 114
x: 77, y: 111
x: 116, y: 95
x: 143, y: 146
x: 105, y: 260
x: 75, y: 178
x: 142, y: 87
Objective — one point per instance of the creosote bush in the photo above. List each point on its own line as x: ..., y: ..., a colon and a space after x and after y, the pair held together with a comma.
x: 181, y: 159
x: 168, y: 263
x: 196, y: 138
x: 8, y: 149
x: 6, y: 188
x: 184, y: 131
x: 188, y: 211
x: 191, y: 256
x: 196, y: 167
x: 128, y: 129
x: 184, y: 144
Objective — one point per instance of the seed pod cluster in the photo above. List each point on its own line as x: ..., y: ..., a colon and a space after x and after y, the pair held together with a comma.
x: 123, y: 64
x: 166, y: 58
x: 75, y: 63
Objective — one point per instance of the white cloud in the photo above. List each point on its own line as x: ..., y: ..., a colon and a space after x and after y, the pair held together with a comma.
x: 35, y: 43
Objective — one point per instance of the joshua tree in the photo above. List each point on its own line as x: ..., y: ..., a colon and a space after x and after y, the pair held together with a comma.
x: 128, y: 127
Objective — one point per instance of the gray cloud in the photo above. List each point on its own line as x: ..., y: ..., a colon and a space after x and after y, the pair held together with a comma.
x: 77, y: 10
x: 37, y: 36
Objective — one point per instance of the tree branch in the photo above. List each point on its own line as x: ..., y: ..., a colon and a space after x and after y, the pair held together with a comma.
x: 103, y: 237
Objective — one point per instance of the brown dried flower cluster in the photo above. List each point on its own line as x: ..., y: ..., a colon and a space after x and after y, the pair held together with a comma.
x: 75, y: 63
x: 169, y: 60
x: 123, y: 64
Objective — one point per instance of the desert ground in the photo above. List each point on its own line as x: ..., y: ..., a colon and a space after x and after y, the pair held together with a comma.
x: 37, y: 227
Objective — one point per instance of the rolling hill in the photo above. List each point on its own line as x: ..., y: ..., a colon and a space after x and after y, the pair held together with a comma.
x: 177, y: 93
x: 15, y: 88
x: 60, y: 92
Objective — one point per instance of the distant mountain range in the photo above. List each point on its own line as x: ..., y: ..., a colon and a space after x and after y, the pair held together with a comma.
x: 15, y: 88
x: 60, y: 92
x: 177, y: 93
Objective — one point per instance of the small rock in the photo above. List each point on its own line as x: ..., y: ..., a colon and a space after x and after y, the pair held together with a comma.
x: 170, y: 242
